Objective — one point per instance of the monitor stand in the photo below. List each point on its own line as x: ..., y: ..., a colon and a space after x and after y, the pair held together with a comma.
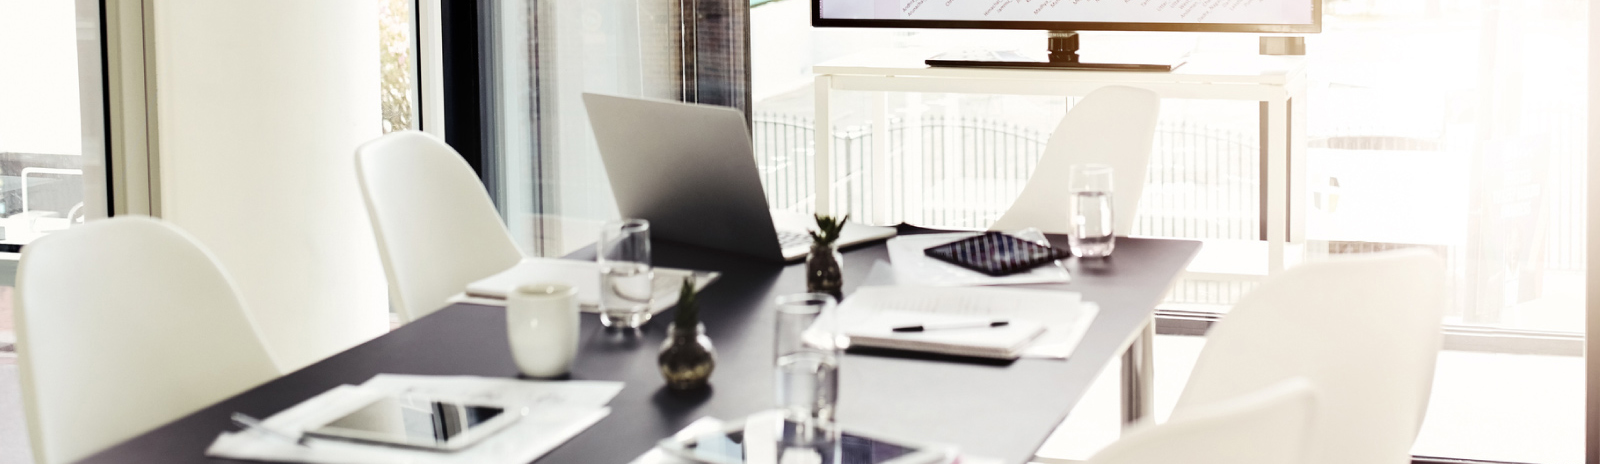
x: 1063, y: 55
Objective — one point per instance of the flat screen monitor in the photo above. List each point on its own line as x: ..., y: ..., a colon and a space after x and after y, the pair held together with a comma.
x: 1263, y: 16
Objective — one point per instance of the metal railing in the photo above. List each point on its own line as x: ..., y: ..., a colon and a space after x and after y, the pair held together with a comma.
x: 1204, y: 183
x: 964, y: 172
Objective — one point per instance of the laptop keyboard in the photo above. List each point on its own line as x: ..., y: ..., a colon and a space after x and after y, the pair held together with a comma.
x: 791, y: 239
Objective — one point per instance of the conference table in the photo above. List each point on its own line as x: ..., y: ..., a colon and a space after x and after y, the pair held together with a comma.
x: 1002, y: 410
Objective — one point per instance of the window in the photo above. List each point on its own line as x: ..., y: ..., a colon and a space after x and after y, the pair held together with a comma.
x: 542, y: 55
x: 397, y: 63
x: 42, y: 152
x: 1452, y: 125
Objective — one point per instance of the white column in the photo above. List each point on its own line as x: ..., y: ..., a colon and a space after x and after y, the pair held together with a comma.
x: 260, y: 106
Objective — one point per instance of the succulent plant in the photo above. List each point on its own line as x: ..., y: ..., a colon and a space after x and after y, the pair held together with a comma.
x: 828, y: 229
x: 687, y: 357
x: 688, y: 309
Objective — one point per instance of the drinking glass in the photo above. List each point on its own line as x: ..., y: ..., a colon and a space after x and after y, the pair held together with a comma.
x: 626, y: 280
x: 1091, y: 233
x: 806, y: 361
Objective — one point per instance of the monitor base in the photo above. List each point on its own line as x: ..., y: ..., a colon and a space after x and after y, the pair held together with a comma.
x: 1063, y: 55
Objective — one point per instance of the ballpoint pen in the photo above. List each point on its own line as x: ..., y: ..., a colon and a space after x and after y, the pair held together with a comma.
x: 953, y: 325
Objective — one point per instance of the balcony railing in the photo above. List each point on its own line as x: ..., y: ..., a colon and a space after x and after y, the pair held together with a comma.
x: 1203, y: 183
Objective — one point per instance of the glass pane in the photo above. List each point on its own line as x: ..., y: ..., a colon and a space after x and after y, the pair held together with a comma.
x: 397, y: 63
x: 41, y: 134
x: 1428, y: 128
x: 543, y: 55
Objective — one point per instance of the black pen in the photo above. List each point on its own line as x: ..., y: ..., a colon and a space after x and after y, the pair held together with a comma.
x: 957, y: 325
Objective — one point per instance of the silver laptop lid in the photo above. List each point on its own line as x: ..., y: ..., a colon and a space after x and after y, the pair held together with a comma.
x: 686, y: 168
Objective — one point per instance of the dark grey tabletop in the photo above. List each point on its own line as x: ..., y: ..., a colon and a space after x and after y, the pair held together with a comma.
x: 1001, y: 410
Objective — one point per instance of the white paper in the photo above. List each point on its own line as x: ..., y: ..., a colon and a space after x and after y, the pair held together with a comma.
x: 583, y: 275
x: 558, y: 411
x: 1064, y: 316
x: 912, y: 267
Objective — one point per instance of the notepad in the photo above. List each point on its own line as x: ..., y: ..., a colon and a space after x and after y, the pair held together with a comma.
x: 1042, y: 323
x: 1005, y: 342
x: 585, y: 276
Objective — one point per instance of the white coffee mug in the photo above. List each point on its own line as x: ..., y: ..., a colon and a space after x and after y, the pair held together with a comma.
x: 542, y: 323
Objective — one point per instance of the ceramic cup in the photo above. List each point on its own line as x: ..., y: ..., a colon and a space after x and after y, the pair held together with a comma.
x: 542, y: 323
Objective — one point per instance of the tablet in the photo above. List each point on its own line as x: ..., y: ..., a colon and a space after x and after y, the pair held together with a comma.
x: 419, y: 422
x: 996, y: 254
x: 732, y: 445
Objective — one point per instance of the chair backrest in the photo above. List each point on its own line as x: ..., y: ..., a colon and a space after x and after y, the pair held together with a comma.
x: 125, y: 324
x: 1269, y: 426
x: 1113, y: 125
x: 437, y: 230
x: 1365, y: 330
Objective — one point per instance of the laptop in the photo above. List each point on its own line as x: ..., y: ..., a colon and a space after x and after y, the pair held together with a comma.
x: 689, y: 169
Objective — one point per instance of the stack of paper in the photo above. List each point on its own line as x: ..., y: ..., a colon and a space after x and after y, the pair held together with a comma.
x: 1041, y: 323
x: 558, y: 412
x: 584, y: 275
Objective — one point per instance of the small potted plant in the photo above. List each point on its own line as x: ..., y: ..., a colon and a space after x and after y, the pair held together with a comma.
x: 687, y: 357
x: 824, y: 266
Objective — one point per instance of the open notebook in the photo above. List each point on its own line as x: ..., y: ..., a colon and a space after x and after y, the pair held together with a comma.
x: 1041, y: 323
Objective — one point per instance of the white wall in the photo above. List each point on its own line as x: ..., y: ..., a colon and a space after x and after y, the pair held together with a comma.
x: 260, y: 107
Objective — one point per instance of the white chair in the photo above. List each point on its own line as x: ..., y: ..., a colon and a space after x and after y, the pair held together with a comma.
x: 1269, y: 426
x: 1114, y: 126
x: 1365, y: 330
x: 437, y: 229
x: 125, y: 324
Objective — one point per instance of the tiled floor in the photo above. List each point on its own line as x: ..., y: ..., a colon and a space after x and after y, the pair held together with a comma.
x: 13, y: 432
x: 7, y: 333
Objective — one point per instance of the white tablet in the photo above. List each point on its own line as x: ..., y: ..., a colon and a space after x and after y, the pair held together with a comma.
x: 419, y: 422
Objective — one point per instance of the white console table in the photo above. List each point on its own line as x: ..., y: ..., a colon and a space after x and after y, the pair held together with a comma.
x: 1278, y: 82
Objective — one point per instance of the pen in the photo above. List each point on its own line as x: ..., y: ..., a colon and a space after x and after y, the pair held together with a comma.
x: 957, y: 325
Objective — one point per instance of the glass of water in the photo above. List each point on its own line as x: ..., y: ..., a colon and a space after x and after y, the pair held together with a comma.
x: 806, y: 358
x: 1091, y: 233
x: 626, y: 281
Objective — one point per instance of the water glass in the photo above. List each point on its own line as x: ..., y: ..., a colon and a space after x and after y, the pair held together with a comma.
x: 1091, y: 233
x: 806, y: 360
x: 626, y: 280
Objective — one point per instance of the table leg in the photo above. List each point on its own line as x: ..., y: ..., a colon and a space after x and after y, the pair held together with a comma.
x: 1298, y: 183
x: 1138, y: 377
x: 1277, y: 188
x: 822, y: 128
